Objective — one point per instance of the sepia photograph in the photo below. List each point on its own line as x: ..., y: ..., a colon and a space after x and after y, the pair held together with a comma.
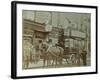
x: 55, y: 39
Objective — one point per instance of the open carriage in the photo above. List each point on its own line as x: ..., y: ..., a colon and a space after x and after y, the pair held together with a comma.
x: 75, y: 41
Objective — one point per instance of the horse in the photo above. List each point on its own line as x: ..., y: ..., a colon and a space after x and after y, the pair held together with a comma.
x: 52, y: 55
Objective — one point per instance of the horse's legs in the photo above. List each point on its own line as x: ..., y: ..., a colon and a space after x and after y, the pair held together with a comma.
x: 56, y: 60
x: 60, y: 59
x: 44, y: 61
x: 60, y: 62
x: 52, y: 60
x: 49, y: 61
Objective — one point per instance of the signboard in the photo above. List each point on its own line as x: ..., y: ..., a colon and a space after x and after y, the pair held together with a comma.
x: 77, y: 34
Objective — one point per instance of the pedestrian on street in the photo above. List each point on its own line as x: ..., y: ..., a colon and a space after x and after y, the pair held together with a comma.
x: 84, y: 57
